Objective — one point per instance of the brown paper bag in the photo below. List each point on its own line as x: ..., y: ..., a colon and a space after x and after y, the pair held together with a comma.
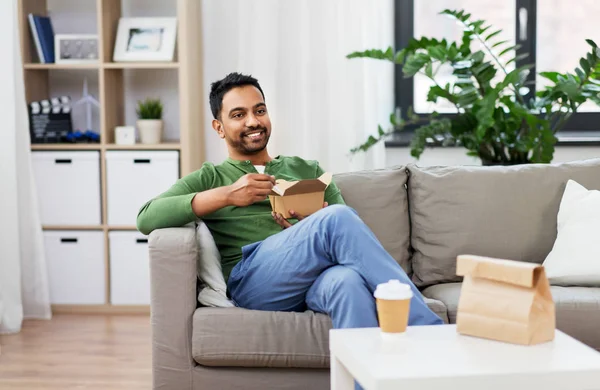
x: 505, y: 300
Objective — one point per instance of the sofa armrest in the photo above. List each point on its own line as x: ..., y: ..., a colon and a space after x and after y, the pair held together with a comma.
x: 173, y: 257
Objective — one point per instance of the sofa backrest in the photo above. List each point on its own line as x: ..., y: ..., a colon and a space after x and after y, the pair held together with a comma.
x: 505, y: 212
x: 379, y: 197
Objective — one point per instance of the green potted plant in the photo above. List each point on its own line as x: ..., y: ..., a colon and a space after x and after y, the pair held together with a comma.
x: 150, y: 123
x: 493, y: 120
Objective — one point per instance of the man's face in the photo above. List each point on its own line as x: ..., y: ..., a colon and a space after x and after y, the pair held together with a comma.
x: 245, y: 123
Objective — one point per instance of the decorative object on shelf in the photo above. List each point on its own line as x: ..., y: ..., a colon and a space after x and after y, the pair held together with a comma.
x: 88, y: 100
x: 50, y: 120
x: 76, y: 48
x: 42, y: 34
x: 82, y: 137
x: 125, y: 135
x: 150, y: 123
x: 495, y: 120
x: 145, y: 39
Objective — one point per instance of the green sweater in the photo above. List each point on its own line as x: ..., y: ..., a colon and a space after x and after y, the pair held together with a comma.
x: 232, y: 227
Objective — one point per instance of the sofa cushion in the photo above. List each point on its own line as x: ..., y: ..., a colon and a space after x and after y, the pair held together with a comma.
x: 578, y: 313
x: 449, y: 294
x: 502, y: 212
x: 251, y: 338
x: 438, y: 308
x: 379, y: 197
x: 577, y: 309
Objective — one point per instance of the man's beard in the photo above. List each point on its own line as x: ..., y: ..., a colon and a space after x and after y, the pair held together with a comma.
x: 245, y: 145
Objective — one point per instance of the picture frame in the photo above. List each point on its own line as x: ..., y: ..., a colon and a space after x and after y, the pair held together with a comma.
x: 75, y: 48
x: 145, y: 39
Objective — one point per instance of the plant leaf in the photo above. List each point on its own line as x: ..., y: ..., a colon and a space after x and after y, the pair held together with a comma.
x: 452, y: 52
x: 552, y: 76
x: 476, y: 25
x: 399, y: 57
x: 518, y: 58
x: 492, y: 35
x: 591, y: 87
x: 485, y: 112
x: 467, y: 97
x: 499, y: 43
x: 436, y: 92
x: 513, y: 77
x: 478, y: 56
x: 570, y: 87
x: 585, y: 65
x: 429, y: 70
x: 481, y: 67
x: 512, y: 48
x: 484, y: 29
x: 149, y: 109
x: 374, y: 54
x: 437, y: 52
x: 435, y: 129
x: 414, y: 63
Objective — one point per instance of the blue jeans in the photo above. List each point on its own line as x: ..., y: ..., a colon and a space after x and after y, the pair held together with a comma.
x: 331, y: 263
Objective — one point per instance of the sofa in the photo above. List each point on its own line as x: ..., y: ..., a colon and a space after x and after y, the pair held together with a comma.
x: 423, y: 216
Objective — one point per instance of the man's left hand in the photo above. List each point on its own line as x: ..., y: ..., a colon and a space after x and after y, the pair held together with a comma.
x: 284, y: 223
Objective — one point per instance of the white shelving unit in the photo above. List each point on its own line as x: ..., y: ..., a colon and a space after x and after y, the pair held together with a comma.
x: 68, y: 242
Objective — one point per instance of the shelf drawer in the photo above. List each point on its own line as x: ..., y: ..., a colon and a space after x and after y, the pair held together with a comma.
x: 76, y: 270
x: 133, y: 178
x: 129, y: 268
x: 68, y: 187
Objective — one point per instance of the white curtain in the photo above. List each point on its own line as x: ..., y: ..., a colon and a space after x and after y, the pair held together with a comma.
x: 321, y: 103
x: 23, y: 276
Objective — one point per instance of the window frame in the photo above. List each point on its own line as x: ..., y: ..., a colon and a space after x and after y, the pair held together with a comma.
x: 582, y: 123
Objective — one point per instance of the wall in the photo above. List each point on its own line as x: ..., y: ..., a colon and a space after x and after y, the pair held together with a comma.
x: 457, y: 156
x: 79, y: 17
x: 320, y: 103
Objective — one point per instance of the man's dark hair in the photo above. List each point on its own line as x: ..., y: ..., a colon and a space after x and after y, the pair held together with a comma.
x: 219, y: 88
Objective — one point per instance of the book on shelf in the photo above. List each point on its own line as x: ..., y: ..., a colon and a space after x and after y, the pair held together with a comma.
x: 43, y: 37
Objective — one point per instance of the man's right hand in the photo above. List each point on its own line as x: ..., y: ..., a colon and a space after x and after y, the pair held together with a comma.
x: 249, y: 189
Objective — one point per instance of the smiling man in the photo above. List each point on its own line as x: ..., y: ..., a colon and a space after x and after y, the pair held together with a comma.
x: 329, y: 262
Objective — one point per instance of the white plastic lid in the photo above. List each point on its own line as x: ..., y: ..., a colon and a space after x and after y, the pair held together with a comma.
x: 393, y: 290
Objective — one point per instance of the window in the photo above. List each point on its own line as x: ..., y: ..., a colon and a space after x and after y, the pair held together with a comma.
x: 561, y: 40
x: 428, y: 22
x: 552, y: 32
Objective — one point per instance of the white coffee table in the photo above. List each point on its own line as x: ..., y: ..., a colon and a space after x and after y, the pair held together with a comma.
x: 436, y: 357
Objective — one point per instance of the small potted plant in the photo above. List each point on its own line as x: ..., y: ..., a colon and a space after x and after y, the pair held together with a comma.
x: 150, y: 123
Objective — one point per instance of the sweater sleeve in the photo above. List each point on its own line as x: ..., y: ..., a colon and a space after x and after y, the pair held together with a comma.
x: 333, y: 195
x: 173, y: 208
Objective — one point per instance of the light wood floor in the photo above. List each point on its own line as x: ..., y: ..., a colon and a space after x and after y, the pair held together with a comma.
x: 95, y: 352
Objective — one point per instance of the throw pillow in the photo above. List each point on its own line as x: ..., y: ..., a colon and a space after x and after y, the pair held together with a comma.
x: 214, y: 292
x: 575, y: 257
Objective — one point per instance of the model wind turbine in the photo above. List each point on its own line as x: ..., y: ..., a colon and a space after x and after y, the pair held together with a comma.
x: 89, y: 101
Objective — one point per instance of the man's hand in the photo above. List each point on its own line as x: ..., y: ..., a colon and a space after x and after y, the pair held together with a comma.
x: 284, y: 223
x: 249, y: 189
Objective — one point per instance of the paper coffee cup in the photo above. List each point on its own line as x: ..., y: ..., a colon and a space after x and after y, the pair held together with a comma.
x: 393, y: 306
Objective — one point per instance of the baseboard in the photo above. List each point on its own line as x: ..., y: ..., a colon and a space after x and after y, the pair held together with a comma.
x: 101, y: 309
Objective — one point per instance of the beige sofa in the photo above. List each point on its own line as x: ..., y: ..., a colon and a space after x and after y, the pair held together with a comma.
x: 424, y: 217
